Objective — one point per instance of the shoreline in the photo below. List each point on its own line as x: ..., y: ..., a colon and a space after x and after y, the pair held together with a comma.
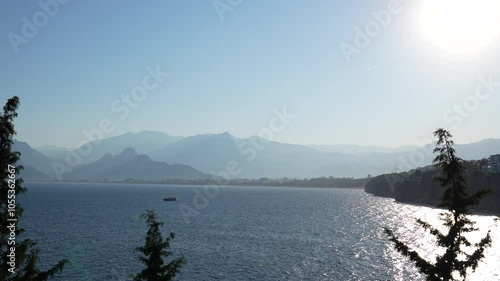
x: 194, y: 184
x: 423, y: 204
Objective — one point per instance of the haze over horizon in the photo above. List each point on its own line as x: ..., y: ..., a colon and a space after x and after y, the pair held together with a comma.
x: 420, y: 143
x: 250, y: 140
x: 229, y: 72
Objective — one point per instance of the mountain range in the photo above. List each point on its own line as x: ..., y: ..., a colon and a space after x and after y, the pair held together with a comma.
x: 130, y: 165
x: 143, y: 143
x: 154, y: 155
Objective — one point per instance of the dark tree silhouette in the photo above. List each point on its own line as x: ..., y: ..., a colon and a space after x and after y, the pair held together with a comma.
x: 456, y: 220
x: 26, y: 254
x: 155, y: 250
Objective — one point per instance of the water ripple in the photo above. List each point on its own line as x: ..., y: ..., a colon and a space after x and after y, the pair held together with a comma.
x: 244, y: 233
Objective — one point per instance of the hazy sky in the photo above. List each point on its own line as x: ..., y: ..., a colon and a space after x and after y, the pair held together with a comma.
x: 229, y: 69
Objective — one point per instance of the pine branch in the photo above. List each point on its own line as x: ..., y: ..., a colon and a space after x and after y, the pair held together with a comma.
x: 424, y: 266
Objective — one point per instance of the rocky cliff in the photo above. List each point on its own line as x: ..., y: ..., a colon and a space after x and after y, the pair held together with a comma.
x: 419, y: 187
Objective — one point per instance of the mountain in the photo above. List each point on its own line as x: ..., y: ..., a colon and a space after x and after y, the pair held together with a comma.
x: 257, y: 157
x: 153, y: 170
x: 53, y: 151
x: 354, y: 149
x: 253, y: 157
x: 30, y: 174
x: 129, y: 164
x: 478, y: 150
x: 38, y: 162
x: 207, y: 153
x: 106, y: 163
x: 143, y: 142
x: 260, y: 158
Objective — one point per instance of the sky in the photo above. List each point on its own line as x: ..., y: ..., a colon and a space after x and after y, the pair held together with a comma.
x: 232, y: 64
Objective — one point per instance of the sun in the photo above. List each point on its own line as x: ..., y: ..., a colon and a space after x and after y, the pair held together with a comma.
x: 460, y: 26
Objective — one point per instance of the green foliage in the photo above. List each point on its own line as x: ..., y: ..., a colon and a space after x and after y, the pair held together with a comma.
x: 456, y: 220
x: 155, y: 250
x: 26, y: 254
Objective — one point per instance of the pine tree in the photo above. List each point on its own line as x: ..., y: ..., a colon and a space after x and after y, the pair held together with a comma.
x: 155, y: 250
x: 456, y: 219
x: 26, y: 254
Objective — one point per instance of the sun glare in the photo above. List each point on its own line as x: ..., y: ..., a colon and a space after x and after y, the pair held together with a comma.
x: 460, y: 26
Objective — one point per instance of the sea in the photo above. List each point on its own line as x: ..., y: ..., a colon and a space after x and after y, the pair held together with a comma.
x: 234, y: 233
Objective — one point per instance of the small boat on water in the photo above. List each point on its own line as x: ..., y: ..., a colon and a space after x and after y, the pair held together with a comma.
x: 173, y: 198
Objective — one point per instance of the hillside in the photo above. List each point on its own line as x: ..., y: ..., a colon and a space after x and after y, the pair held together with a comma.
x: 143, y: 142
x: 37, y: 164
x: 419, y: 187
x: 130, y: 165
x: 254, y: 157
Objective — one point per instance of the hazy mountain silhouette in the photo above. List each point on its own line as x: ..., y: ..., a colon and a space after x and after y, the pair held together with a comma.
x: 207, y: 153
x: 53, y: 151
x: 34, y: 161
x: 354, y: 149
x: 262, y: 158
x: 143, y: 142
x: 30, y: 174
x: 143, y: 168
x: 479, y: 149
x: 106, y: 163
x: 211, y: 153
x: 129, y: 164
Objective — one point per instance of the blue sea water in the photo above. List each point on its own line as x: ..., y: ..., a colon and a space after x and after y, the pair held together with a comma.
x: 239, y: 233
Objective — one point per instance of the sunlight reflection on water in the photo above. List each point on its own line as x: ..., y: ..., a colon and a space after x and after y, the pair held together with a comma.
x: 423, y: 242
x: 246, y: 233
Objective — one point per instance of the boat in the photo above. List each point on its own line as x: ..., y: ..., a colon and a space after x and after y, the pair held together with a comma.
x: 170, y: 198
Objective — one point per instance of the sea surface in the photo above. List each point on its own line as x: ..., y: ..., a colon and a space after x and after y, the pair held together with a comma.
x: 236, y: 233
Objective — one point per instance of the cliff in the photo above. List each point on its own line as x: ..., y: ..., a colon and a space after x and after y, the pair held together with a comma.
x: 419, y: 187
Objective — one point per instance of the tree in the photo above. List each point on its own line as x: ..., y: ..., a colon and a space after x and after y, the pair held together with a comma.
x: 18, y: 260
x: 155, y: 250
x: 456, y: 219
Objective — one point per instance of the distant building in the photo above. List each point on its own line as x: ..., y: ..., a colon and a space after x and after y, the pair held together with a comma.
x: 494, y: 163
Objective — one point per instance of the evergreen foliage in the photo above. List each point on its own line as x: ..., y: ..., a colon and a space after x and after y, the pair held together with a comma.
x: 456, y: 219
x: 155, y: 250
x: 25, y: 252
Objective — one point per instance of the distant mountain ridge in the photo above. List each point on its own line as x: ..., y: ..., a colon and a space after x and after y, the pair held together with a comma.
x: 143, y: 142
x: 208, y: 153
x: 251, y: 157
x: 130, y: 165
x: 354, y: 149
x: 53, y: 151
x: 36, y: 164
x: 261, y: 158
